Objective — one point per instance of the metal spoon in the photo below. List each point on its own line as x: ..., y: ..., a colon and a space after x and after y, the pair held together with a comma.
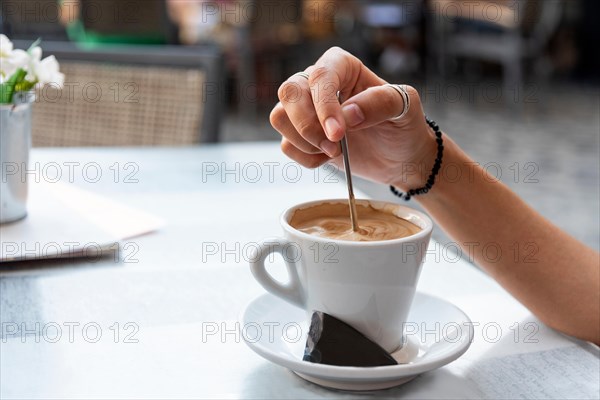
x: 351, y: 200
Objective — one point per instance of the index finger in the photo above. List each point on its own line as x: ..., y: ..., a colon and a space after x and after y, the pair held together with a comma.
x: 337, y: 70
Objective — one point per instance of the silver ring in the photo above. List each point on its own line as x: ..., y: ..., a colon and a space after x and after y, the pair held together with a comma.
x: 404, y: 93
x: 302, y: 74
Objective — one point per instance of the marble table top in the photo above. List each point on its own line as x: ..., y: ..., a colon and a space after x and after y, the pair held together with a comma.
x: 130, y: 325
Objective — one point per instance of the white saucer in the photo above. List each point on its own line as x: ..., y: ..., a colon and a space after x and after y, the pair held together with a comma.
x: 437, y: 333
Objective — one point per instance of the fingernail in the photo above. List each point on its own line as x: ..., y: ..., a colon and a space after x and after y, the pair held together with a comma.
x: 353, y: 114
x: 329, y: 148
x: 331, y: 127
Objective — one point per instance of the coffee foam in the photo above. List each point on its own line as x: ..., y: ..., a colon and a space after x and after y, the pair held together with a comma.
x: 332, y: 220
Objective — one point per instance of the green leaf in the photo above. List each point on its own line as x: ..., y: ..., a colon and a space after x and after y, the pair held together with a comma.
x: 24, y: 86
x: 4, y: 93
x: 36, y: 43
x: 8, y: 88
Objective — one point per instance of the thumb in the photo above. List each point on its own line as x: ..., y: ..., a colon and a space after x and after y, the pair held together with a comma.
x: 376, y: 105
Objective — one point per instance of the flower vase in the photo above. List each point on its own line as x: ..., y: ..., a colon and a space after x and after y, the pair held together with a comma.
x: 15, y: 143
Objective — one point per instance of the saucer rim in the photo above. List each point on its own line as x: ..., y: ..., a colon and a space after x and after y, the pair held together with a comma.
x: 363, y: 373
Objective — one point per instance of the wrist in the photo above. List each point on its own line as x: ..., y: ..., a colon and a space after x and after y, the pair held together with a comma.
x: 414, y: 173
x: 434, y: 171
x: 458, y: 171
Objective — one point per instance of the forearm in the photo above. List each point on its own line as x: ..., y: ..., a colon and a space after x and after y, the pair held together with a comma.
x: 550, y: 272
x: 554, y: 275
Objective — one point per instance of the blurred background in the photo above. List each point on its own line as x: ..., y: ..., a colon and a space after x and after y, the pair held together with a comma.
x: 514, y: 82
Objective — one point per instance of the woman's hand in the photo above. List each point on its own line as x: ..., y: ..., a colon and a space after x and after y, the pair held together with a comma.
x: 472, y: 209
x: 312, y: 122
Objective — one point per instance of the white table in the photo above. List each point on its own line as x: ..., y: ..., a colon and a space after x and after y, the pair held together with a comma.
x: 153, y: 305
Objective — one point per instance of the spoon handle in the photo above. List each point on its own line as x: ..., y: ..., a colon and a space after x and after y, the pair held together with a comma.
x: 351, y: 200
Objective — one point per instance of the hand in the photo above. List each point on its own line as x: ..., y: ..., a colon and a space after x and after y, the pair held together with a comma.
x: 312, y: 122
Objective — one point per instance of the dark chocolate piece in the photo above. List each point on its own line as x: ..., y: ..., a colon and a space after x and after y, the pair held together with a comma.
x: 334, y: 342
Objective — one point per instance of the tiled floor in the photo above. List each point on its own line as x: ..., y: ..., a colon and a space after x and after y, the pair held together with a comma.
x: 547, y: 151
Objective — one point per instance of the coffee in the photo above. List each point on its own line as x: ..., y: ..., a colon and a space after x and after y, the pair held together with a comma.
x: 332, y: 220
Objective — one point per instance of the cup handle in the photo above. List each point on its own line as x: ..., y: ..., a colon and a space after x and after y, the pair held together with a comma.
x: 292, y: 291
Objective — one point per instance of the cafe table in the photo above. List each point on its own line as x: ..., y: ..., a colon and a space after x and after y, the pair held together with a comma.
x: 160, y: 319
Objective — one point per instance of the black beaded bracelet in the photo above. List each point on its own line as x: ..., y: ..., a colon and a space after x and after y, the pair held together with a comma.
x: 434, y: 171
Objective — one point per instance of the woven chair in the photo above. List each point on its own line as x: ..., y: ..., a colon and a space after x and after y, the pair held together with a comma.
x: 133, y: 96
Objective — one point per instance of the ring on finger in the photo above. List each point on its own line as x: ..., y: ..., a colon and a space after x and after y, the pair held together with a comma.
x: 302, y: 74
x: 404, y: 93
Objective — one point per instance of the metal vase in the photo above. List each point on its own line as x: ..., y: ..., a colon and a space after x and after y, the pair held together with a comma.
x: 15, y: 142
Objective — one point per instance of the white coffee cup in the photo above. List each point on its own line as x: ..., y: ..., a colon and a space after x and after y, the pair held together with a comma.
x: 368, y: 285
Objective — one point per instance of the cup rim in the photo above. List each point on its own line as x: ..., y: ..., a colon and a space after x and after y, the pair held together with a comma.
x: 423, y: 233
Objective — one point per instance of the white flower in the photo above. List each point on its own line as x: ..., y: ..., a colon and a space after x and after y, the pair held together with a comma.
x: 48, y: 71
x: 6, y: 46
x: 44, y: 71
x: 36, y: 53
x: 18, y: 59
x: 11, y: 59
x: 34, y: 70
x: 35, y: 58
